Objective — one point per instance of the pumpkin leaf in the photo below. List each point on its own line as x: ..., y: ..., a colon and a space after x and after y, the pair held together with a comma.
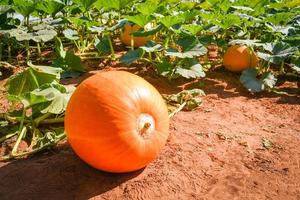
x: 71, y: 34
x: 253, y: 84
x: 24, y: 7
x: 192, y: 28
x: 278, y: 52
x: 132, y: 56
x: 112, y: 4
x: 32, y: 78
x: 58, y: 99
x: 139, y: 19
x: 190, y: 68
x: 50, y: 7
x: 164, y: 68
x: 102, y: 45
x: 152, y: 47
x: 148, y: 7
x: 70, y: 62
x: 197, y: 50
x: 190, y: 97
x: 253, y: 43
x: 296, y: 65
x: 85, y: 5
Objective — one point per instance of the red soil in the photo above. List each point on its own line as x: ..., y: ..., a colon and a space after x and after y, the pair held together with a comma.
x: 235, y: 146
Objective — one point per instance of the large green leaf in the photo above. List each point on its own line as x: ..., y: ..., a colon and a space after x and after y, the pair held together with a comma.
x: 148, y: 7
x: 70, y: 62
x: 71, y: 34
x: 85, y: 5
x: 279, y: 51
x: 41, y: 33
x: 24, y: 7
x: 132, y: 56
x: 139, y: 19
x: 197, y: 50
x: 32, y: 78
x: 102, y: 45
x: 51, y: 7
x: 190, y: 68
x: 112, y: 4
x: 253, y: 84
x: 152, y: 47
x: 58, y: 98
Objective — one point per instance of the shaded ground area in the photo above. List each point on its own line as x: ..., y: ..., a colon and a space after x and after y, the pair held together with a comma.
x: 235, y: 146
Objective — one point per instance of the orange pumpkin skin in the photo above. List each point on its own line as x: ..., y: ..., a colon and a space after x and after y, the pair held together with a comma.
x: 239, y: 57
x: 116, y: 121
x: 126, y: 37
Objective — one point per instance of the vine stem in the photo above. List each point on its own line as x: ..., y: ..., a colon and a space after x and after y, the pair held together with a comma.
x: 113, y: 57
x: 2, y: 139
x: 21, y: 135
x: 53, y: 121
x: 26, y: 153
x: 177, y: 110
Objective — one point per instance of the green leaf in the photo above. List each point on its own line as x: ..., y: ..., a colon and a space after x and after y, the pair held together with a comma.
x: 296, y: 65
x: 24, y: 7
x: 165, y: 68
x: 58, y: 99
x: 85, y: 5
x: 169, y: 21
x: 102, y: 45
x: 242, y: 8
x: 139, y: 19
x: 132, y: 56
x: 280, y: 18
x: 59, y: 48
x: 50, y: 7
x: 253, y: 43
x: 197, y: 50
x: 32, y: 78
x: 192, y: 28
x: 70, y: 62
x: 190, y: 68
x: 148, y: 7
x: 148, y: 32
x: 71, y: 34
x: 191, y: 97
x: 97, y: 29
x: 113, y: 4
x: 279, y: 51
x: 152, y: 47
x: 253, y: 84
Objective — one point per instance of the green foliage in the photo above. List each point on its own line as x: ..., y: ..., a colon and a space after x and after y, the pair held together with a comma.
x: 253, y: 84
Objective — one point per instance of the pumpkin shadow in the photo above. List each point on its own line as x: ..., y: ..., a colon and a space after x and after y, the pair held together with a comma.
x: 59, y: 175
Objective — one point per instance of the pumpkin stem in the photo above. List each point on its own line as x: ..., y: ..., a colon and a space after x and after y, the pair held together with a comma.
x: 145, y: 128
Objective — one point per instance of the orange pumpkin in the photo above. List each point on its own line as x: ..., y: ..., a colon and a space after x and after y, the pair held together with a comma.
x: 239, y: 57
x: 126, y: 36
x: 116, y: 121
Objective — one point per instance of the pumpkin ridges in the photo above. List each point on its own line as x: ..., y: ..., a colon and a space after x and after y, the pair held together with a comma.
x: 123, y: 106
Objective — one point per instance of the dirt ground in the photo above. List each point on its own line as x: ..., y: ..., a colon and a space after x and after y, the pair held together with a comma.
x: 235, y: 146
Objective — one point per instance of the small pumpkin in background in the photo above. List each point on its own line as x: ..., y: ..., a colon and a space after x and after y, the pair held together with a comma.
x: 239, y: 57
x: 116, y: 121
x: 125, y: 36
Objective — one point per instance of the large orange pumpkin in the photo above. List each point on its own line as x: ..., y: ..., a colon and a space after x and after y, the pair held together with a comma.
x: 116, y: 121
x: 239, y: 57
x: 137, y: 41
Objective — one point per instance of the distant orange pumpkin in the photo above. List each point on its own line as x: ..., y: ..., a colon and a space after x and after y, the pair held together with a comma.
x: 116, y: 121
x: 126, y: 36
x: 239, y: 57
